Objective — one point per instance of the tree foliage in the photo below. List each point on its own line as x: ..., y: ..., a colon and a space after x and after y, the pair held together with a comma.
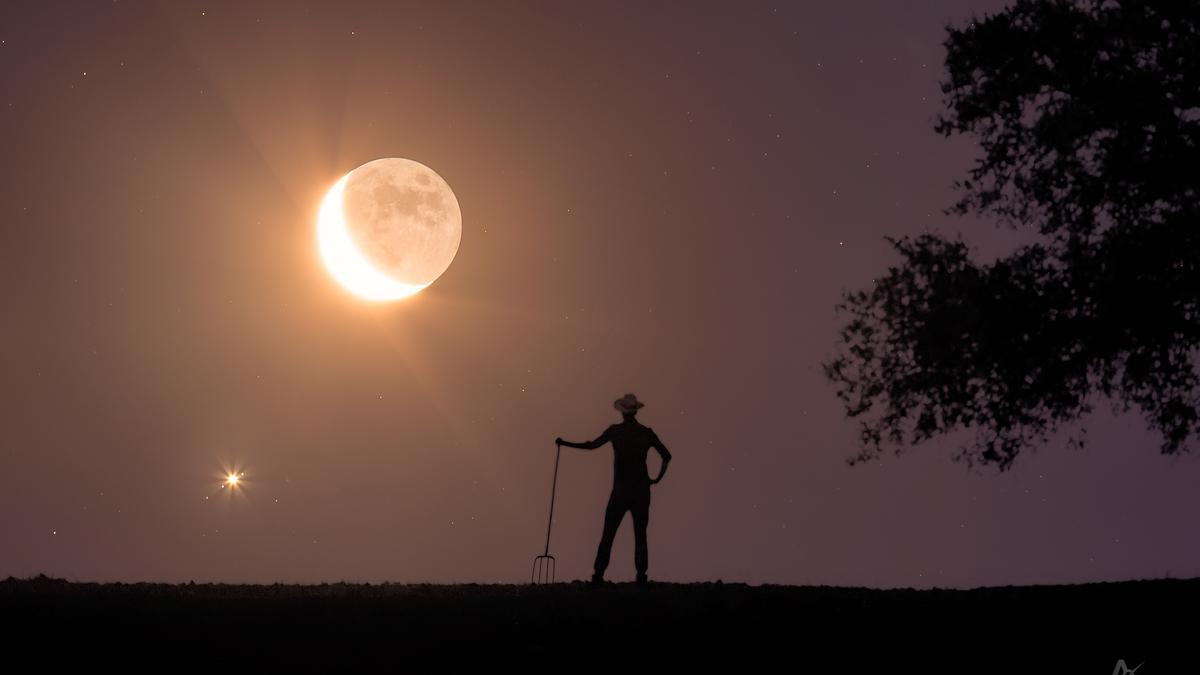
x: 1087, y: 115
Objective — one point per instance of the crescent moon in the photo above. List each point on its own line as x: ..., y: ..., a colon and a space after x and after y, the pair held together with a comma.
x: 343, y: 259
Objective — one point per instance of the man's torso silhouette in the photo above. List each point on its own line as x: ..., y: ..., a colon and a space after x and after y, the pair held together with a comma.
x: 631, y: 443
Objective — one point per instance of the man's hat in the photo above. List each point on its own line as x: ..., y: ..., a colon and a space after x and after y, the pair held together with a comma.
x: 628, y: 403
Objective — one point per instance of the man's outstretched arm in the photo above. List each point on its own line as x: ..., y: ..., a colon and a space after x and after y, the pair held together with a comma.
x: 586, y: 445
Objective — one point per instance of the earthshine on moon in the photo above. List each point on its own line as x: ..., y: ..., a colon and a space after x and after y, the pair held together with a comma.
x: 389, y: 228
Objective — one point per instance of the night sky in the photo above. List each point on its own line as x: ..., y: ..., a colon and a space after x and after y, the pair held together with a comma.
x: 666, y: 199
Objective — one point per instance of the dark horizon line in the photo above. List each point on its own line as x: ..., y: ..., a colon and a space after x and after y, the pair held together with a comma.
x: 44, y: 579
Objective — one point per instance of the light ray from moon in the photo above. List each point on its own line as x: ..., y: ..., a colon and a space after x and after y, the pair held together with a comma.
x: 343, y: 259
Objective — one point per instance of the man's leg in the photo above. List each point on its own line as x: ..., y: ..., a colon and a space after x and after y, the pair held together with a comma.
x: 613, y: 514
x: 641, y: 518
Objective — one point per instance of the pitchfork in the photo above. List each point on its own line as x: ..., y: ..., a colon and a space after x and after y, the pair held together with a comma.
x: 543, y: 565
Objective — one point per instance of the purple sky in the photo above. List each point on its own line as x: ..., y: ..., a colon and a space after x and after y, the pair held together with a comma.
x: 659, y: 198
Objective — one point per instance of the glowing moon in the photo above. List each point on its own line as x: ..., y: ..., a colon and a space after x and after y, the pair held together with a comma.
x: 389, y: 228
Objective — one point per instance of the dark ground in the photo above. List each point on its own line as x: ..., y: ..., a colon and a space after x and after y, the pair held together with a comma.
x: 570, y: 626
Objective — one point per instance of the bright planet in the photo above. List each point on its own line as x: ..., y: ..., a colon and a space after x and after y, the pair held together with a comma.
x: 389, y: 228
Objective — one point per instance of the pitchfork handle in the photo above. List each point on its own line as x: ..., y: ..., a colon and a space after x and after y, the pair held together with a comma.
x: 553, y: 487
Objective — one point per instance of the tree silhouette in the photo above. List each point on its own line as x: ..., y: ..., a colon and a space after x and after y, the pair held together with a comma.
x: 1088, y: 118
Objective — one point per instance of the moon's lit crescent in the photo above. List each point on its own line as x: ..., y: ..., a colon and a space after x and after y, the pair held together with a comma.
x: 345, y: 262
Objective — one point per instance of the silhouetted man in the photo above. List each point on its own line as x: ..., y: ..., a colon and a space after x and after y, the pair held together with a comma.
x: 631, y: 482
